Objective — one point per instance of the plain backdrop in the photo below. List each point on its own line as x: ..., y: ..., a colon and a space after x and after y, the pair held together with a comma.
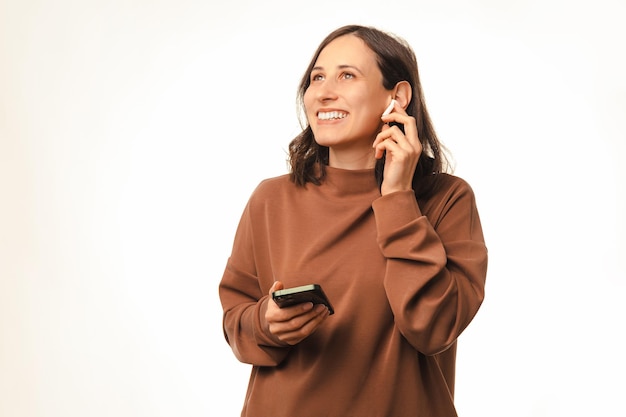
x: 133, y: 132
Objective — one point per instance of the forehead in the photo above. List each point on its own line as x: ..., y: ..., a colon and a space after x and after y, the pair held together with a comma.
x: 347, y: 50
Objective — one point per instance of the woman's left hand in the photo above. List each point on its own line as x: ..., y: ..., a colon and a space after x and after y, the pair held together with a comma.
x: 402, y: 151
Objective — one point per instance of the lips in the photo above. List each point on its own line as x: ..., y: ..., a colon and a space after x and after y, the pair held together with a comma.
x: 331, y: 115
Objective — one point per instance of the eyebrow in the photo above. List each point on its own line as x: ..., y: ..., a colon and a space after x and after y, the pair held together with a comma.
x: 344, y: 66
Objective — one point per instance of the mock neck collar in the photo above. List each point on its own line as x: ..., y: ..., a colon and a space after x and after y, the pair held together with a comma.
x: 349, y: 182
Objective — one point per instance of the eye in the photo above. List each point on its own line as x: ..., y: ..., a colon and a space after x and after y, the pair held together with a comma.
x: 317, y: 77
x: 348, y: 76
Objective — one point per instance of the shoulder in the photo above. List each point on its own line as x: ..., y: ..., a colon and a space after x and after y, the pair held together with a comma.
x: 449, y: 182
x: 447, y: 190
x: 271, y: 188
x: 443, y: 184
x: 274, y: 184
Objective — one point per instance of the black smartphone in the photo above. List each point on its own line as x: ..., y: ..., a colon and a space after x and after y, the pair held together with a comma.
x: 311, y: 293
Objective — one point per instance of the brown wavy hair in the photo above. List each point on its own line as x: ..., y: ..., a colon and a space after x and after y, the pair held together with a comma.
x: 396, y: 60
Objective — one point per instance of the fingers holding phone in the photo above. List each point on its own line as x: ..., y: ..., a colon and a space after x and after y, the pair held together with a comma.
x: 301, y: 313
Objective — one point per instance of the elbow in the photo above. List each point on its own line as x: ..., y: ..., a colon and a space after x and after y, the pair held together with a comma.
x: 433, y: 348
x: 259, y: 355
x: 431, y: 345
x: 437, y: 333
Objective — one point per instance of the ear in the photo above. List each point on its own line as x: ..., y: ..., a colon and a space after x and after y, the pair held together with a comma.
x: 403, y: 93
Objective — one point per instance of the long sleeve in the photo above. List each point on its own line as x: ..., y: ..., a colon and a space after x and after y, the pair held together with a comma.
x: 436, y: 266
x: 244, y: 304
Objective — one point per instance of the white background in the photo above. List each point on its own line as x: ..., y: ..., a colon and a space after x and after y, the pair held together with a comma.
x: 132, y: 133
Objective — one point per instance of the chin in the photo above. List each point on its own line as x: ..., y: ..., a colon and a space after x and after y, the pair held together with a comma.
x: 324, y: 140
x: 329, y: 143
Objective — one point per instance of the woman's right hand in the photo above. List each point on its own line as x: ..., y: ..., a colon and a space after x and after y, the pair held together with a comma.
x: 293, y: 324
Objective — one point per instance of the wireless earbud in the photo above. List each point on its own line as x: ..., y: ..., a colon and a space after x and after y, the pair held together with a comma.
x: 389, y: 107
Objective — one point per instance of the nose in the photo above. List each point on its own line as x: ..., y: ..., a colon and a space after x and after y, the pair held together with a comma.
x: 327, y: 90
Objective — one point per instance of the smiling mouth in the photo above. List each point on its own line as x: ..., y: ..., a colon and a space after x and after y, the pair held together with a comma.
x: 331, y: 115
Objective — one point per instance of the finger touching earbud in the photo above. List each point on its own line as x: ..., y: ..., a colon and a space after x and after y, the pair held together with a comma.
x: 389, y: 107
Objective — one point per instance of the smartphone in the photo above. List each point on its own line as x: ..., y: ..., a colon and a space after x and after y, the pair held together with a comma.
x: 311, y: 293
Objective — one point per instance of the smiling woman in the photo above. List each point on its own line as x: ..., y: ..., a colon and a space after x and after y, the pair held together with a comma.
x: 125, y: 127
x: 345, y: 100
x: 368, y: 213
x: 370, y: 71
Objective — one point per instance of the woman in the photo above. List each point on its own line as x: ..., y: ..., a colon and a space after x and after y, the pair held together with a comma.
x: 368, y: 213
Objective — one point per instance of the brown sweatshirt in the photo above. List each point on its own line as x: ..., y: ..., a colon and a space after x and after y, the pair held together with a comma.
x: 405, y: 278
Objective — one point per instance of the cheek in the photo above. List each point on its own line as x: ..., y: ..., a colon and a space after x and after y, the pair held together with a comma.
x: 307, y: 100
x: 371, y: 114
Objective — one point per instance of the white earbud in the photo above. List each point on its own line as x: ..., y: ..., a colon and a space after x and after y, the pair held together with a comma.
x: 389, y: 108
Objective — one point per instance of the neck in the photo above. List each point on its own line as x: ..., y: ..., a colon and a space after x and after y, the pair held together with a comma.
x: 353, y: 159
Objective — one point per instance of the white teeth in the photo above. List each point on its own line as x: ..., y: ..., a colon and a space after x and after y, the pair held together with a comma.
x: 328, y: 115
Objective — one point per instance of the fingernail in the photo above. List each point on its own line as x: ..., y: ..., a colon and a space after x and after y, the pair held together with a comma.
x: 320, y: 307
